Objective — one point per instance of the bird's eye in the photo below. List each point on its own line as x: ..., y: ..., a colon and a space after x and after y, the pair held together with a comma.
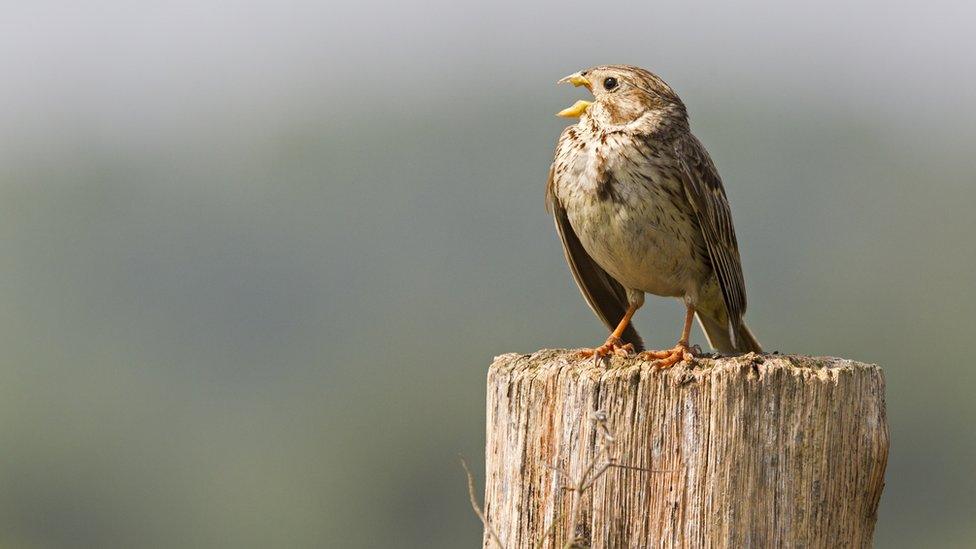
x: 610, y: 83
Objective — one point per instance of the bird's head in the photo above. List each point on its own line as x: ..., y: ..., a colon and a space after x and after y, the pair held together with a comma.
x: 623, y: 94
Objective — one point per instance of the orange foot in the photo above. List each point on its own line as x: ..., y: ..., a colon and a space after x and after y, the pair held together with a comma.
x: 666, y: 359
x: 611, y: 347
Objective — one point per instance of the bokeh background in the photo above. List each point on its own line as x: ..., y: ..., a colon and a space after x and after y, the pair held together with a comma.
x: 255, y: 257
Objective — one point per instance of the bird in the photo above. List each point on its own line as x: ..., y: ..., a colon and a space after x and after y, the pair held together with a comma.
x: 640, y: 209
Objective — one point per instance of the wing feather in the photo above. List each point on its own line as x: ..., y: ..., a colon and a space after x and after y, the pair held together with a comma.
x: 602, y: 292
x: 704, y: 190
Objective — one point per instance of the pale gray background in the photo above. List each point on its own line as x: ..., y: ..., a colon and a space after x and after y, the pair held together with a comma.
x: 255, y: 257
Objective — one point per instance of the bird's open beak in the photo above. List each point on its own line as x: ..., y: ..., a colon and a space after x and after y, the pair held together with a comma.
x: 575, y: 79
x: 580, y: 106
x: 576, y: 110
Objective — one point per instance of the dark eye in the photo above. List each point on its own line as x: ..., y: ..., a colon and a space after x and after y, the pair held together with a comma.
x: 610, y: 83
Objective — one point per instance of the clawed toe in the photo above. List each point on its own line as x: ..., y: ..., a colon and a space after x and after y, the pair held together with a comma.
x: 611, y: 347
x: 668, y: 358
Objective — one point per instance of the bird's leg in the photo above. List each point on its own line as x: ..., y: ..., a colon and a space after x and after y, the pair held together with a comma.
x: 612, y: 345
x: 680, y: 352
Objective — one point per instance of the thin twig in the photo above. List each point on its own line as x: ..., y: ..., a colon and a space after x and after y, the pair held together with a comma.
x: 477, y: 508
x: 557, y: 470
x: 549, y: 531
x: 594, y: 470
x: 642, y: 469
x: 604, y: 440
x: 595, y: 477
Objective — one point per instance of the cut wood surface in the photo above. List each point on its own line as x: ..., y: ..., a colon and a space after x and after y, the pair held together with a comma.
x: 750, y: 451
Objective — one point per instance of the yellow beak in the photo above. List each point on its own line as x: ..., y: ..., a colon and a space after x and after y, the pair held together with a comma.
x: 576, y: 110
x: 580, y: 106
x: 575, y: 79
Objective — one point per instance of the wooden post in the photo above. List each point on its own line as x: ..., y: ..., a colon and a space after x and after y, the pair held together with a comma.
x: 750, y: 451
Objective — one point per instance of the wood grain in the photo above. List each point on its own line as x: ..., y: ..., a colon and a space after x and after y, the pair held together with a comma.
x: 750, y: 451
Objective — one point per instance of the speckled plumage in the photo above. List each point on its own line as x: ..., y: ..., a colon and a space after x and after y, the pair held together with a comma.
x: 640, y: 208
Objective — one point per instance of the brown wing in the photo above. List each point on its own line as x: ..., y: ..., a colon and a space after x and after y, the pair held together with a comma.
x: 606, y: 296
x: 704, y: 190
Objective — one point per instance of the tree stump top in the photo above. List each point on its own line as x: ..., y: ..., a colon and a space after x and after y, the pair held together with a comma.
x: 748, y: 451
x: 823, y: 367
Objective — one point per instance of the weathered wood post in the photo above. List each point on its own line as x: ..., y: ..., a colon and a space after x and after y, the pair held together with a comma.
x: 751, y: 451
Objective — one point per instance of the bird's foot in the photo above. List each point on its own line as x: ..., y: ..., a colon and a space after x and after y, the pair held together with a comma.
x: 668, y: 358
x: 611, y: 347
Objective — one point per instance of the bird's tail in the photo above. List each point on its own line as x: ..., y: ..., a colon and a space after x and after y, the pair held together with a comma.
x: 747, y: 343
x: 720, y: 336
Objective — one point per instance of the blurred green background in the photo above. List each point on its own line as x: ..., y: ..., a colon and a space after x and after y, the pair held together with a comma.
x: 256, y: 256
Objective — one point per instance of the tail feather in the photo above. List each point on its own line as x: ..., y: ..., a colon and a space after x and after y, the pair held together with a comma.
x: 720, y: 337
x: 747, y: 343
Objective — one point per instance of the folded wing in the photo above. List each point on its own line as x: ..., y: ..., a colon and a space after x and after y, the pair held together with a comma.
x: 705, y: 192
x: 603, y: 293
